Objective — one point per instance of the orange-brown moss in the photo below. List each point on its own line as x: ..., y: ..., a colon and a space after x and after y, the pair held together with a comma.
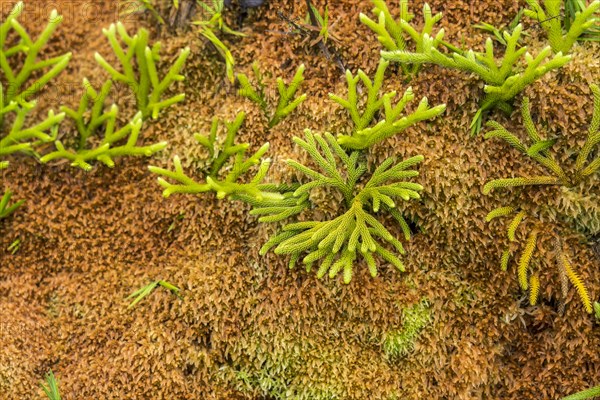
x: 90, y: 239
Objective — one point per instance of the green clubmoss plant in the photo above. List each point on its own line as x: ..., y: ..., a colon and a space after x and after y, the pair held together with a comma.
x: 590, y: 393
x: 92, y: 118
x: 138, y: 69
x: 19, y: 88
x: 548, y: 15
x: 144, y: 291
x: 220, y: 175
x: 336, y: 243
x: 282, y: 203
x: 20, y: 64
x: 586, y: 165
x: 572, y: 8
x: 504, y: 79
x: 368, y: 129
x: 287, y: 101
x: 14, y: 98
x: 399, y: 343
x: 393, y: 34
x: 539, y: 151
x: 24, y: 139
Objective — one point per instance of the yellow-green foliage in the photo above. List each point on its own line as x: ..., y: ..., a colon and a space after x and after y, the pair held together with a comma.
x: 334, y: 243
x: 401, y: 342
x: 393, y: 34
x: 587, y: 394
x: 514, y: 224
x: 221, y: 177
x: 526, y: 259
x: 287, y: 102
x: 505, y: 259
x: 534, y: 289
x: 367, y: 130
x: 19, y: 64
x: 138, y: 69
x: 499, y: 212
x: 549, y: 17
x: 504, y: 79
x: 568, y: 274
x: 539, y: 151
x: 565, y: 269
x: 511, y: 182
x: 215, y: 22
x: 32, y: 67
x: 579, y: 208
x: 91, y: 118
x: 51, y: 388
x: 575, y: 279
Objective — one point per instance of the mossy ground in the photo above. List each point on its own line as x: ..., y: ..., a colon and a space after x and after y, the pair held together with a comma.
x: 247, y: 327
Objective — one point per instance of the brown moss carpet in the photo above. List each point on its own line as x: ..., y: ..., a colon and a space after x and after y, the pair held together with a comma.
x: 247, y: 327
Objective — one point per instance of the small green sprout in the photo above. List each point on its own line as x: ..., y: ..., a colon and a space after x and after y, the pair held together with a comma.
x: 51, y: 390
x: 497, y: 33
x: 14, y: 246
x: 223, y: 51
x: 324, y: 29
x: 215, y: 22
x: 5, y: 209
x: 139, y: 294
x: 178, y: 218
x: 145, y: 4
